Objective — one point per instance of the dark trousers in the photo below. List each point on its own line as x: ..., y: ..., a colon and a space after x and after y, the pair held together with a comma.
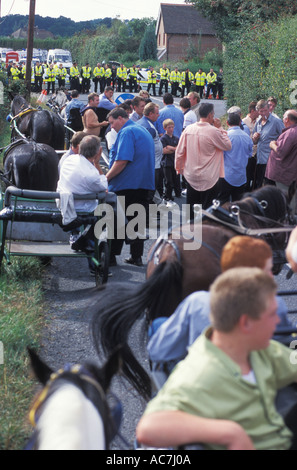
x: 204, y: 198
x: 50, y: 85
x: 172, y: 182
x: 132, y: 196
x: 213, y: 89
x: 159, y: 180
x: 174, y: 88
x: 229, y: 192
x: 121, y: 84
x: 38, y: 83
x: 102, y: 84
x: 74, y: 84
x: 154, y: 88
x: 85, y: 86
x: 260, y: 175
x: 96, y: 81
x: 186, y: 87
x: 251, y: 173
x: 61, y: 82
x: 163, y: 83
x: 133, y: 85
x: 200, y: 90
x: 220, y: 91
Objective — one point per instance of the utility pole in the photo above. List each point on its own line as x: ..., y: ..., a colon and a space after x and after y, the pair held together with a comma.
x: 30, y: 46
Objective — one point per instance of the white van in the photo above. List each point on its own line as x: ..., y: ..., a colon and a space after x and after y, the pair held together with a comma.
x: 61, y: 56
x: 3, y: 51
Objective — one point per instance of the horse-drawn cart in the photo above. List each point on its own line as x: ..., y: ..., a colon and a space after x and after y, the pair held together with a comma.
x: 31, y: 224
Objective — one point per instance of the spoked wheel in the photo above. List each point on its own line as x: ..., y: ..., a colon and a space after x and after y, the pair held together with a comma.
x: 101, y: 272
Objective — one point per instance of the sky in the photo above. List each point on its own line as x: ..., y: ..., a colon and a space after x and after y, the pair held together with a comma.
x: 88, y: 9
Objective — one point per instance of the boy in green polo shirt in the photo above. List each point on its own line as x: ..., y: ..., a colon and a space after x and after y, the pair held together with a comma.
x: 223, y: 393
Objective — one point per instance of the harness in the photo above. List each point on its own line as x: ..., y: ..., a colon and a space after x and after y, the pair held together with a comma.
x: 230, y: 219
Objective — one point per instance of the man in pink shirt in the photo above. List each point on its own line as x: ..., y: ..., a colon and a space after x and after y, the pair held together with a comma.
x: 199, y: 157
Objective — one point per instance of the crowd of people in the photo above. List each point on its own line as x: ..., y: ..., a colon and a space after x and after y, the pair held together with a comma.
x: 227, y: 371
x: 121, y: 78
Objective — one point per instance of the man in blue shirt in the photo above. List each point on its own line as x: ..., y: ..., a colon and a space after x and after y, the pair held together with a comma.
x: 131, y: 174
x: 74, y: 103
x: 106, y: 101
x: 170, y: 112
x: 267, y: 128
x: 151, y: 114
x: 232, y: 186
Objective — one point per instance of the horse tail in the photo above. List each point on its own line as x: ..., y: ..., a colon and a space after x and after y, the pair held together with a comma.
x: 120, y: 305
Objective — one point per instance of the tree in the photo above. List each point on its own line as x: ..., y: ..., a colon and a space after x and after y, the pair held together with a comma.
x: 148, y: 45
x: 231, y: 17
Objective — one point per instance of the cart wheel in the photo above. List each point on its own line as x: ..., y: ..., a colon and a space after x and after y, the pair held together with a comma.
x: 101, y: 274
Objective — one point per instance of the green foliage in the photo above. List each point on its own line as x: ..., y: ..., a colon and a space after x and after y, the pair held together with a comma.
x: 61, y: 26
x: 262, y: 63
x: 230, y: 17
x: 148, y: 45
x: 20, y: 326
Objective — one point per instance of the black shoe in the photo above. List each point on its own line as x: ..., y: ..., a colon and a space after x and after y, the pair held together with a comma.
x: 112, y: 260
x: 79, y: 244
x: 134, y: 261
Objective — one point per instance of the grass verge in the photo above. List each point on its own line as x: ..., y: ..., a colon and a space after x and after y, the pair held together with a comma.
x: 21, y: 323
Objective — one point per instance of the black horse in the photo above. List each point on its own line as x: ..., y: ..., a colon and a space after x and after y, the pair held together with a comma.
x: 29, y: 165
x: 41, y: 126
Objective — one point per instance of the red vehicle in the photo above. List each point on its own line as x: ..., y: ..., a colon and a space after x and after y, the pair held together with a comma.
x: 14, y: 56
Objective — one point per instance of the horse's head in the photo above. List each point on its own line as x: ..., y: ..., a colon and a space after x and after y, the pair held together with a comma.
x: 268, y: 207
x: 18, y: 104
x: 74, y: 390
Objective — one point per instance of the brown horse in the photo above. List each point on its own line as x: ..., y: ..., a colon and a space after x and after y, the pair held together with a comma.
x: 174, y: 272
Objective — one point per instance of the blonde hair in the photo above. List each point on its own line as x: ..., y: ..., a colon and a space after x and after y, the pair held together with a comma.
x: 168, y: 122
x: 239, y: 291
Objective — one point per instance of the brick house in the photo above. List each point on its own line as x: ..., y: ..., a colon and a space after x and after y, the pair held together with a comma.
x: 181, y: 31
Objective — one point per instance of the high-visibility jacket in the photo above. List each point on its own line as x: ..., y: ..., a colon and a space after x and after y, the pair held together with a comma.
x: 108, y: 73
x: 174, y: 76
x: 86, y: 71
x: 132, y: 73
x: 15, y: 72
x: 122, y: 73
x: 164, y: 74
x: 61, y: 72
x: 211, y: 77
x: 200, y: 78
x: 98, y: 72
x: 74, y: 72
x: 183, y: 77
x: 38, y: 71
x: 23, y: 72
x: 50, y: 75
x: 151, y: 76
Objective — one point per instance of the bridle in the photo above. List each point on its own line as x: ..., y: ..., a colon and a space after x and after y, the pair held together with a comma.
x: 81, y: 377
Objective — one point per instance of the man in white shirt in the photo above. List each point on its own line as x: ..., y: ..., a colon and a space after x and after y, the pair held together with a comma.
x: 82, y: 174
